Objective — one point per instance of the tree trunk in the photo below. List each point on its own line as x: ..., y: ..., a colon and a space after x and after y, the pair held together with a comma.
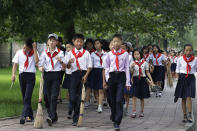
x: 165, y: 44
x: 69, y: 31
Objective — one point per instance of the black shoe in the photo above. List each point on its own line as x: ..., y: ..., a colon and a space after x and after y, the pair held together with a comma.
x: 116, y: 127
x: 22, y: 121
x: 175, y: 99
x: 49, y: 121
x: 74, y: 124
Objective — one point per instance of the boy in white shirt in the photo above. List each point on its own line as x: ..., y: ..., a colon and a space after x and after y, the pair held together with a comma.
x: 26, y: 58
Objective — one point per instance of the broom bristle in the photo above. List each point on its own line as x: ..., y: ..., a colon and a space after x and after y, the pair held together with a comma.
x: 39, y: 121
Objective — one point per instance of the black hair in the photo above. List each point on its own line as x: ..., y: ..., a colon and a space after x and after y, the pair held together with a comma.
x: 138, y: 50
x: 60, y: 39
x: 159, y: 50
x: 29, y: 43
x: 89, y: 40
x: 117, y: 36
x: 78, y: 36
x: 99, y: 41
x: 105, y: 45
x: 69, y: 42
x: 125, y: 45
x: 188, y: 45
x: 145, y: 47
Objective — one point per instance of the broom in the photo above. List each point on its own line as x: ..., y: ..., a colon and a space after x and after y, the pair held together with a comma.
x: 169, y: 75
x: 83, y: 95
x: 39, y: 121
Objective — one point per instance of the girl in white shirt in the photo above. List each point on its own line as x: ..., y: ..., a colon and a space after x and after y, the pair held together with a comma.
x: 186, y: 86
x: 67, y: 79
x: 97, y: 73
x: 173, y: 60
x: 140, y: 88
x: 158, y: 60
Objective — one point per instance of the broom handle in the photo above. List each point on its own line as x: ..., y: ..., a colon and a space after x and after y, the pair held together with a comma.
x: 41, y: 88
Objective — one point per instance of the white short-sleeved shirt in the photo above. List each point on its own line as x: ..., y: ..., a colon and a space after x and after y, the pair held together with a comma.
x: 96, y: 59
x: 182, y: 66
x: 20, y: 59
x: 160, y: 59
x: 146, y: 57
x: 45, y: 61
x: 144, y: 66
x: 173, y: 59
x: 85, y: 61
x: 68, y: 71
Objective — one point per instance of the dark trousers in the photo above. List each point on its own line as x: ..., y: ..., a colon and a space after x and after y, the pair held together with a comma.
x: 116, y: 83
x: 75, y: 92
x: 51, y: 92
x: 27, y: 82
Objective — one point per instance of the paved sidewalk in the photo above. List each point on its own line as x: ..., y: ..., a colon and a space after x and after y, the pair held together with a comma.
x: 161, y: 114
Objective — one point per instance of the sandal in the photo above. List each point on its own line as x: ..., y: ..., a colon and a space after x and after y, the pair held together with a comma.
x: 190, y: 117
x: 185, y: 118
x: 133, y: 115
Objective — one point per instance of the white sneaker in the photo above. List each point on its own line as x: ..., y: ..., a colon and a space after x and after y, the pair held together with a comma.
x: 159, y: 94
x: 100, y: 110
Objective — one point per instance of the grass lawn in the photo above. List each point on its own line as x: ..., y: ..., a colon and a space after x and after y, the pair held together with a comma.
x: 11, y: 100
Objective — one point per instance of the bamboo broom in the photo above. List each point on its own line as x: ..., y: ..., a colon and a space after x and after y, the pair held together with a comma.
x: 83, y: 95
x: 169, y: 75
x: 39, y: 121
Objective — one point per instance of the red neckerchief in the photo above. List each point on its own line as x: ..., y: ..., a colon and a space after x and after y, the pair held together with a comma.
x: 91, y: 51
x: 173, y: 58
x: 100, y: 56
x: 51, y: 57
x: 157, y: 57
x: 140, y: 69
x: 27, y: 59
x: 188, y: 68
x: 78, y: 56
x: 117, y: 54
x: 145, y: 56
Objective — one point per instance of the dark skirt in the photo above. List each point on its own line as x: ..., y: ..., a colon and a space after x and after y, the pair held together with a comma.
x: 173, y: 67
x: 89, y: 79
x: 158, y: 73
x: 186, y: 87
x: 97, y: 78
x: 67, y: 81
x: 140, y: 88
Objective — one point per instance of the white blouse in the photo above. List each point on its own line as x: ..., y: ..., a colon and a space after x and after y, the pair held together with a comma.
x: 160, y: 59
x: 182, y: 66
x: 144, y: 66
x: 96, y: 59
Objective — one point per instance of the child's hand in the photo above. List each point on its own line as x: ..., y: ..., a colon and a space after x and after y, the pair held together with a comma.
x: 71, y: 60
x: 58, y: 58
x: 13, y: 77
x: 104, y: 85
x: 152, y: 83
x: 41, y: 69
x: 84, y: 79
x: 133, y: 65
